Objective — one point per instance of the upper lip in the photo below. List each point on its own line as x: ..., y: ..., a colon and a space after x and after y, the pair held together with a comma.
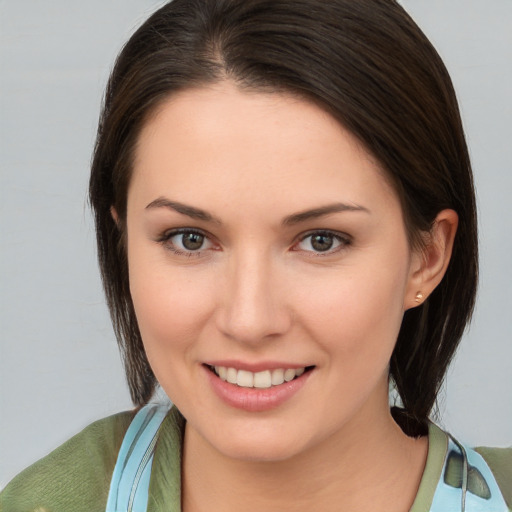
x: 255, y: 367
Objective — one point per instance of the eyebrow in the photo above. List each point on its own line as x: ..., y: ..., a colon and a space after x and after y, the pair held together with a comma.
x: 184, y: 209
x: 296, y: 218
x: 290, y: 220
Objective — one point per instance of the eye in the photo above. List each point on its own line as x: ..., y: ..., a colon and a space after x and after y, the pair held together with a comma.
x: 186, y: 241
x: 322, y: 242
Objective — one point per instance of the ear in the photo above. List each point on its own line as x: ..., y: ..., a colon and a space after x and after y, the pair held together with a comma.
x: 114, y: 214
x: 429, y: 263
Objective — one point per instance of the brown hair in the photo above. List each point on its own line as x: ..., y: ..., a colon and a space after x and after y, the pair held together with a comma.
x: 371, y: 67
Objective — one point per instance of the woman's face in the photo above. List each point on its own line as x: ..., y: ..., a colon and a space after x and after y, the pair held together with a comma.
x: 265, y: 244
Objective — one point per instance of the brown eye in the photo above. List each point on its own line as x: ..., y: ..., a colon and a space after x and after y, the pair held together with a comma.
x: 186, y: 241
x: 192, y: 241
x: 322, y: 242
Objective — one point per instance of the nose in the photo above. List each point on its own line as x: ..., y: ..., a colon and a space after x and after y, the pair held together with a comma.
x: 252, y: 305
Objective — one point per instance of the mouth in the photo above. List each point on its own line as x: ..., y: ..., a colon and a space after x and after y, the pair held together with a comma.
x: 260, y: 380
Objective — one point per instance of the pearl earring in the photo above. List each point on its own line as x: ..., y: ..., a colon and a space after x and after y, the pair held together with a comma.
x: 419, y: 297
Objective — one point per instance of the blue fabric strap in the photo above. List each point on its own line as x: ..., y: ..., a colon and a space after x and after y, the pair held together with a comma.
x: 467, y: 483
x: 129, y: 488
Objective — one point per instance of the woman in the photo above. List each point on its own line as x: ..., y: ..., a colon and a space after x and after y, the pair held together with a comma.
x: 286, y: 221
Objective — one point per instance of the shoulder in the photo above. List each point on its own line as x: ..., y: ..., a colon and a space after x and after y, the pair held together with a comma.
x: 75, y: 476
x: 499, y: 461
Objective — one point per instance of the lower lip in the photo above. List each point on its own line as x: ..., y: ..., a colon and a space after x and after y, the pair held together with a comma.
x: 255, y: 399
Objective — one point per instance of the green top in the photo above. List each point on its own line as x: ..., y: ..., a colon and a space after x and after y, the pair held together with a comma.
x: 76, y: 476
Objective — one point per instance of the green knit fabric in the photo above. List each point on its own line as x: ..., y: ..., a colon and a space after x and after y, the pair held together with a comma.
x: 76, y: 476
x: 73, y: 478
x: 500, y: 462
x: 165, y: 484
x: 437, y: 447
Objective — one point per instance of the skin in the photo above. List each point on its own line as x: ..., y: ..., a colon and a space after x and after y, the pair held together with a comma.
x: 258, y: 291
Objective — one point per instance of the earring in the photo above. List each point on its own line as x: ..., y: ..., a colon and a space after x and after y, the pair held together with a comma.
x: 419, y: 297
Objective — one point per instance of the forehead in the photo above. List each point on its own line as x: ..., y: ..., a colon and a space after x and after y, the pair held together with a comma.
x: 219, y: 144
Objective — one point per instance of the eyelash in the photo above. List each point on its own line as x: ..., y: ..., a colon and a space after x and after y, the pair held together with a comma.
x: 343, y: 240
x: 165, y: 240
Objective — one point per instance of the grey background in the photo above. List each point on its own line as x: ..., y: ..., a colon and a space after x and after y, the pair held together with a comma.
x: 59, y: 366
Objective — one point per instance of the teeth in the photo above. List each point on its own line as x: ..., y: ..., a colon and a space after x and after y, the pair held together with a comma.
x: 231, y: 375
x: 245, y: 379
x: 289, y: 375
x: 261, y: 380
x: 222, y: 372
x: 277, y: 377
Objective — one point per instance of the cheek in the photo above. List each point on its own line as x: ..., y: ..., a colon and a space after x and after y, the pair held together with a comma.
x: 171, y: 304
x: 357, y: 313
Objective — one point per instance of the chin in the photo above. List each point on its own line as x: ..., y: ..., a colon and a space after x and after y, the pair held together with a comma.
x: 276, y: 449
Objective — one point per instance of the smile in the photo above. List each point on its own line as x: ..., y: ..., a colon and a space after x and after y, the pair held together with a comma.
x: 256, y: 391
x: 261, y: 380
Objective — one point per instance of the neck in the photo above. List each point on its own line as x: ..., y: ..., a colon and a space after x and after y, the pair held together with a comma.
x: 367, y: 462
